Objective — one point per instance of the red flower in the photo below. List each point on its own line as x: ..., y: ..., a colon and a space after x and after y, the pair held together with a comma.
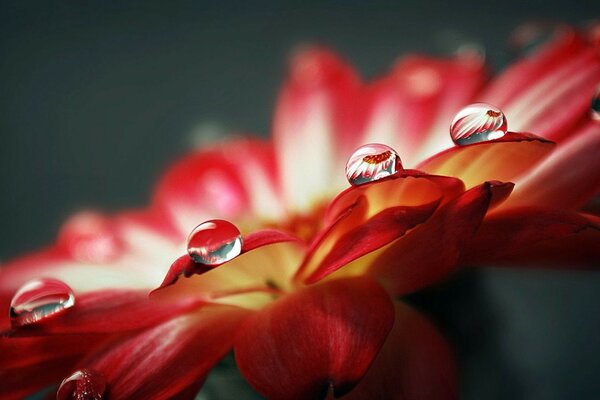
x: 309, y: 305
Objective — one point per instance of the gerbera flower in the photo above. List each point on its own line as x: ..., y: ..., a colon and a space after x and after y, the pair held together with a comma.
x: 298, y: 271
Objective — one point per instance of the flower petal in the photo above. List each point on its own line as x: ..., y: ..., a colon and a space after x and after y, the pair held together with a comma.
x: 415, y: 363
x: 567, y: 178
x: 319, y: 337
x: 431, y: 251
x: 503, y: 159
x: 535, y: 236
x: 235, y: 180
x: 313, y: 126
x: 411, y: 196
x: 165, y: 360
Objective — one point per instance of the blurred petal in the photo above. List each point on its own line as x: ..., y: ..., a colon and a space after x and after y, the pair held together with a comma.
x: 415, y: 363
x: 431, y: 251
x: 503, y: 159
x: 313, y: 126
x: 165, y: 360
x: 567, y: 178
x: 319, y: 337
x: 535, y: 236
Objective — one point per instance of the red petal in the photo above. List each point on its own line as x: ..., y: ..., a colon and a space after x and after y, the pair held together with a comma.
x: 165, y: 360
x: 535, y: 236
x: 184, y: 265
x: 109, y: 311
x: 314, y: 126
x: 231, y: 181
x: 320, y: 336
x: 415, y: 363
x: 502, y: 159
x: 567, y: 178
x: 431, y: 251
x: 412, y: 190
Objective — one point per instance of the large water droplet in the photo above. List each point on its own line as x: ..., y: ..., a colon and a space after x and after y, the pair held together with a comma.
x: 595, y: 107
x: 372, y: 162
x: 214, y: 242
x: 478, y: 122
x: 40, y: 299
x: 83, y: 384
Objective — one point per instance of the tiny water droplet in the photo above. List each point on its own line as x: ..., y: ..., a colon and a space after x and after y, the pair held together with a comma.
x: 595, y: 107
x: 214, y: 242
x: 478, y: 122
x: 40, y: 299
x: 372, y: 162
x: 83, y: 384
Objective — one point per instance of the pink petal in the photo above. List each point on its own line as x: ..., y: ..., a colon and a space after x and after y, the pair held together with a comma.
x: 431, y: 251
x: 503, y: 159
x: 535, y: 236
x: 314, y: 126
x: 411, y: 192
x: 415, y: 363
x: 165, y: 360
x: 567, y: 178
x: 319, y: 337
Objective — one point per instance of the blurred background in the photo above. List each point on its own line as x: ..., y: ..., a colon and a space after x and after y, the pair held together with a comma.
x: 98, y: 97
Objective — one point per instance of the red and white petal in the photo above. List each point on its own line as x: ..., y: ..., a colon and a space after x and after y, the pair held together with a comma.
x: 415, y: 363
x: 567, y: 178
x: 165, y: 360
x: 536, y: 236
x: 314, y: 127
x: 503, y: 159
x: 431, y: 251
x: 320, y: 338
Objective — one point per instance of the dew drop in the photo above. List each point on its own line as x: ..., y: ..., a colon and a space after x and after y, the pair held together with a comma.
x: 478, y: 122
x: 372, y: 162
x: 595, y: 106
x: 83, y: 384
x: 214, y: 242
x: 40, y: 299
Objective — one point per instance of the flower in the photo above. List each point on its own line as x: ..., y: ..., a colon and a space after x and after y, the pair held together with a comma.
x: 117, y: 307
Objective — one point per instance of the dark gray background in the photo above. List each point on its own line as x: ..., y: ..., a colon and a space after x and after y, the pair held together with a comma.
x: 97, y: 97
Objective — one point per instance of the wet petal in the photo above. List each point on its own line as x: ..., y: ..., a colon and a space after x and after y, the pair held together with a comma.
x: 320, y: 336
x: 313, y: 126
x: 536, y: 236
x: 503, y: 159
x: 166, y: 359
x: 431, y: 251
x: 415, y: 363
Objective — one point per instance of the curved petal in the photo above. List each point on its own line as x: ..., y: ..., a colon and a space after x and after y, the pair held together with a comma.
x: 535, y: 236
x: 313, y: 126
x: 410, y: 196
x: 234, y: 180
x: 320, y: 338
x: 431, y: 251
x: 415, y: 363
x: 184, y: 265
x: 165, y: 360
x: 567, y: 178
x: 503, y: 159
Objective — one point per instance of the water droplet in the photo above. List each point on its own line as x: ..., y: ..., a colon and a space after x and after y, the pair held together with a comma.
x: 40, y: 299
x: 214, y: 242
x: 478, y: 122
x: 83, y: 384
x: 595, y: 107
x: 372, y: 162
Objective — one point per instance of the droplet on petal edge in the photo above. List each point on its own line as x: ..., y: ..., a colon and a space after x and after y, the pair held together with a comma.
x: 595, y: 106
x: 214, y: 242
x: 40, y: 299
x: 478, y: 122
x: 83, y: 384
x: 372, y: 162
